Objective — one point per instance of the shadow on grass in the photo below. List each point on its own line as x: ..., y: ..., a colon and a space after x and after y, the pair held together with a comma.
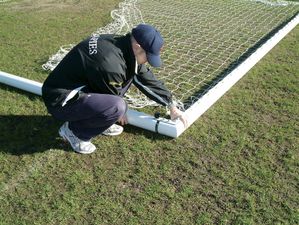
x: 22, y: 134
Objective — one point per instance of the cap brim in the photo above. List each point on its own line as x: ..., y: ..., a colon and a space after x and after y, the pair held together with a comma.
x: 154, y: 60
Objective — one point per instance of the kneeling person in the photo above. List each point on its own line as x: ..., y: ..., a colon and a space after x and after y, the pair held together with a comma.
x: 86, y: 88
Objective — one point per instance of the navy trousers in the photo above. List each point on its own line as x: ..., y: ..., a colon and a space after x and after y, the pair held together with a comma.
x: 89, y: 114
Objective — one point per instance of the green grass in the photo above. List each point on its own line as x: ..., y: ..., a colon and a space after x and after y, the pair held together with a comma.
x: 238, y: 164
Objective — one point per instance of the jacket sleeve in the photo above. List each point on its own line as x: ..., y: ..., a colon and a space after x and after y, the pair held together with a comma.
x: 153, y: 88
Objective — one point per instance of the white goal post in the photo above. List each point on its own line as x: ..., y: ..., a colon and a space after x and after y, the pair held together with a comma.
x: 176, y: 128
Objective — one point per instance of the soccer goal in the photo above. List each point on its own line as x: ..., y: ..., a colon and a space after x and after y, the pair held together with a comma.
x: 210, y: 45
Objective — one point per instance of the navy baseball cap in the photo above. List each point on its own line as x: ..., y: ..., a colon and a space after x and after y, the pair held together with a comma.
x: 151, y: 41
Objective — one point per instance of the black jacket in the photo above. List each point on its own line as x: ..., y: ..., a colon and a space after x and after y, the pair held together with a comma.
x: 104, y: 64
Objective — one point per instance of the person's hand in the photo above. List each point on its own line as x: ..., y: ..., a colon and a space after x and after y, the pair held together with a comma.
x: 123, y: 121
x: 175, y: 113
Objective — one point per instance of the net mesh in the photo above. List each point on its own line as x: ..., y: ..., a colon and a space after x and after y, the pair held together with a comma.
x: 204, y: 39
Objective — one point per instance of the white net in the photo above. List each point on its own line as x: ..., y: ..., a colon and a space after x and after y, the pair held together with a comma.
x: 204, y: 39
x: 124, y: 19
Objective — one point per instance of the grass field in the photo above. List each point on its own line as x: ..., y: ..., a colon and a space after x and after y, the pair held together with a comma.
x: 238, y: 164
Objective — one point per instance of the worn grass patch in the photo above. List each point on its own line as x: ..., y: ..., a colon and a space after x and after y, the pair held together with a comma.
x: 238, y: 164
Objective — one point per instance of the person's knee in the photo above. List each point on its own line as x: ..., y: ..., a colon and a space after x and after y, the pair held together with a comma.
x: 120, y: 107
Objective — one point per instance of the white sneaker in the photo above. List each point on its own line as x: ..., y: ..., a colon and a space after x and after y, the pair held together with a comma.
x: 83, y: 147
x: 113, y: 130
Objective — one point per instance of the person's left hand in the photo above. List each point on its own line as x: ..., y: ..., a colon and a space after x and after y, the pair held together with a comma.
x: 175, y: 113
x: 123, y: 121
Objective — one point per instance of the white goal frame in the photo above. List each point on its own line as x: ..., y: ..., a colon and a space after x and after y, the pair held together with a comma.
x: 176, y: 128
